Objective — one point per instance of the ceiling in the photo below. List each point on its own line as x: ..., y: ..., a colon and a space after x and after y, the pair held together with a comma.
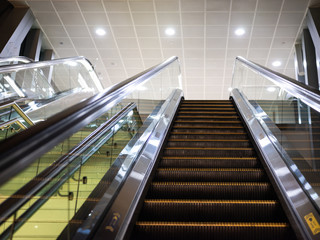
x: 204, y: 39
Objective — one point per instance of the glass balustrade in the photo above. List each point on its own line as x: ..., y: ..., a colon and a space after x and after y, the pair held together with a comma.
x: 43, y: 89
x: 290, y: 121
x: 85, y: 171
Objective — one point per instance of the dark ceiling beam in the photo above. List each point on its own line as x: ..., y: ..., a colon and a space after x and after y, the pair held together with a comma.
x: 309, y: 60
x: 14, y: 26
x: 31, y: 46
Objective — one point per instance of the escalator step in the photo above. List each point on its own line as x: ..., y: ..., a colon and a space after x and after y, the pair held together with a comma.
x: 211, y: 174
x: 206, y: 135
x: 209, y: 162
x: 220, y: 118
x: 209, y: 152
x: 208, y: 143
x: 207, y: 124
x: 211, y: 210
x: 182, y: 108
x: 222, y: 113
x: 211, y: 190
x: 212, y: 230
x: 217, y: 129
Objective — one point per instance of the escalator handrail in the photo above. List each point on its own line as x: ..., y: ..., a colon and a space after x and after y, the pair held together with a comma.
x: 307, y: 94
x: 35, y: 185
x: 41, y: 64
x: 22, y: 149
x: 22, y: 59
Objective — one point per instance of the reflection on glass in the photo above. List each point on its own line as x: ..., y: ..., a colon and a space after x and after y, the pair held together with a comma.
x: 92, y: 163
x: 294, y: 124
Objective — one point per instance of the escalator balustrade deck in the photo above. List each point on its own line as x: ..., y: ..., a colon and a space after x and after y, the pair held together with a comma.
x: 210, y: 183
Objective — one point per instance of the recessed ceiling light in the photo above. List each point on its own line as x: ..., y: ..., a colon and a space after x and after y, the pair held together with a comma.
x: 100, y: 32
x: 271, y: 89
x: 170, y: 31
x: 276, y: 63
x: 239, y: 31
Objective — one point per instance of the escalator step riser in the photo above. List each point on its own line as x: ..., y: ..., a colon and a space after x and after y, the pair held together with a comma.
x: 209, y: 163
x: 183, y: 135
x: 203, y: 113
x: 219, y: 130
x: 228, y: 152
x: 211, y: 191
x: 206, y: 231
x: 218, y: 143
x: 207, y: 125
x: 207, y: 118
x: 210, y: 211
x: 210, y: 176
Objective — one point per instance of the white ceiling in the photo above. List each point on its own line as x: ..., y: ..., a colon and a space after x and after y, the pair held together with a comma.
x: 205, y: 41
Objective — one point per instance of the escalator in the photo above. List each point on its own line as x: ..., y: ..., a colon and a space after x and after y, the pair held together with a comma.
x: 210, y: 183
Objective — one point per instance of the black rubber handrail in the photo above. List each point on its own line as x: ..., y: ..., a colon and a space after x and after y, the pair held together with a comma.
x: 35, y: 185
x: 307, y: 94
x: 19, y: 151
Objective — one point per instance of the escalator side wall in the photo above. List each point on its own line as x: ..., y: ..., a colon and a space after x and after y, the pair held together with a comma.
x: 285, y: 203
x: 151, y: 177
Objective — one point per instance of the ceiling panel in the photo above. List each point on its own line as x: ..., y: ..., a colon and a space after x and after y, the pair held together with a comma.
x: 203, y: 36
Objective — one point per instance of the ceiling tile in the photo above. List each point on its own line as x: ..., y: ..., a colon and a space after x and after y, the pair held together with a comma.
x: 127, y: 43
x: 149, y: 43
x: 216, y: 31
x: 217, y: 18
x: 192, y: 18
x: 55, y: 31
x: 66, y: 6
x: 66, y: 52
x: 151, y: 53
x: 283, y: 43
x: 129, y: 53
x: 258, y: 53
x: 218, y: 5
x: 168, y: 18
x: 191, y: 5
x: 61, y: 42
x: 266, y: 18
x: 244, y: 5
x: 167, y: 6
x: 112, y: 63
x: 95, y: 18
x: 291, y: 18
x: 193, y: 31
x: 193, y: 63
x: 133, y: 63
x: 91, y: 6
x: 83, y: 43
x: 71, y: 18
x: 47, y: 18
x: 89, y: 53
x: 214, y: 64
x: 241, y: 18
x: 260, y: 43
x: 295, y: 5
x: 171, y: 42
x: 287, y: 31
x: 233, y: 29
x: 279, y: 53
x: 77, y: 31
x: 141, y: 6
x: 238, y: 42
x: 109, y: 53
x: 120, y: 19
x: 147, y: 31
x: 194, y: 53
x: 233, y: 53
x: 215, y: 53
x: 269, y: 5
x: 144, y: 18
x: 123, y: 31
x: 265, y: 31
x: 193, y: 42
x: 216, y: 43
x: 105, y: 42
x: 41, y: 6
x: 116, y: 6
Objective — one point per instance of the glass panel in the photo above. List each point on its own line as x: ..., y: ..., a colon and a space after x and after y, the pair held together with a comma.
x: 293, y: 124
x: 91, y: 174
